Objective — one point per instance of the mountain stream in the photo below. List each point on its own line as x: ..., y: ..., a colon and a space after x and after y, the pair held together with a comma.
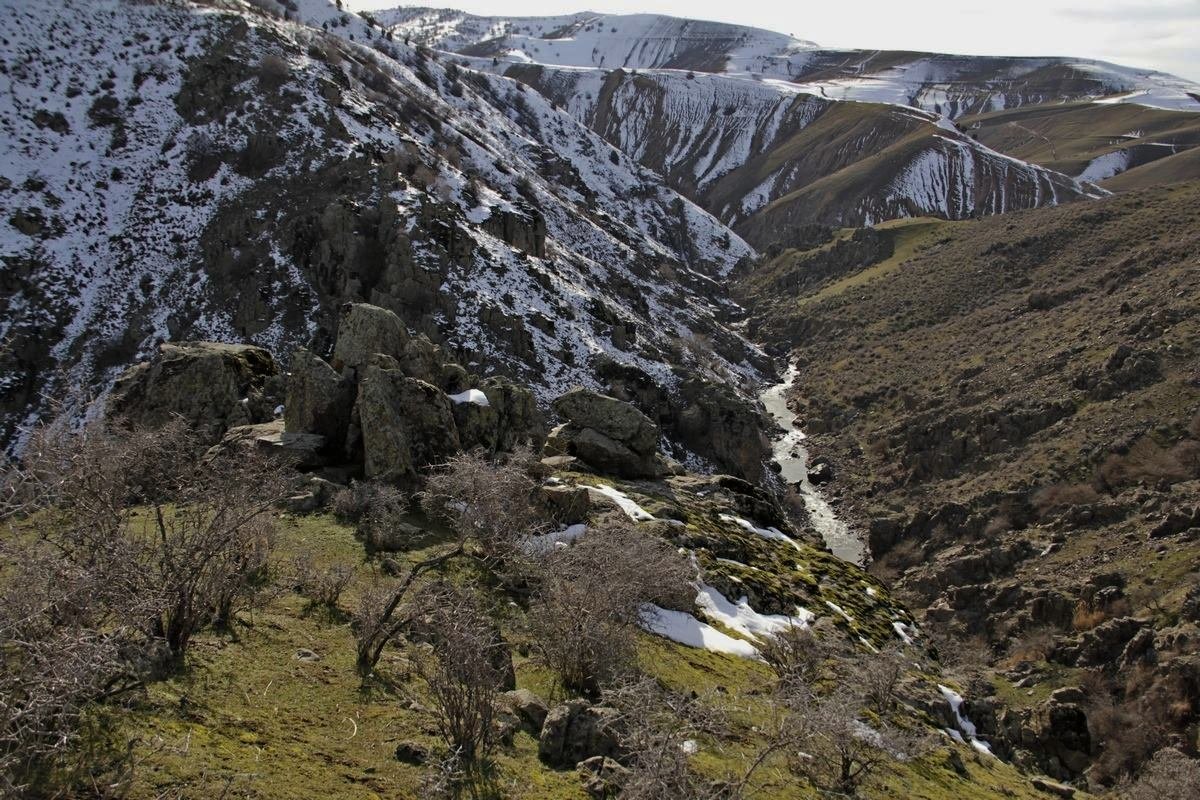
x: 789, y: 452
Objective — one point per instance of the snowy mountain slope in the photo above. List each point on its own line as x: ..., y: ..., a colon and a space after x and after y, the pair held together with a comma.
x: 738, y: 146
x: 637, y: 41
x: 952, y: 85
x: 217, y: 172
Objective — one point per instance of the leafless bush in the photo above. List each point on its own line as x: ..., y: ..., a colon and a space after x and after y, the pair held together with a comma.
x: 1146, y: 462
x: 1169, y: 774
x: 273, y: 71
x: 490, y: 506
x: 323, y: 586
x: 1035, y: 645
x: 121, y: 544
x: 61, y: 651
x: 198, y: 545
x: 594, y: 594
x: 460, y: 671
x: 362, y: 497
x: 826, y: 739
x: 1055, y: 497
x: 836, y: 738
x: 659, y: 730
x: 491, y: 501
x: 797, y: 656
x: 879, y: 676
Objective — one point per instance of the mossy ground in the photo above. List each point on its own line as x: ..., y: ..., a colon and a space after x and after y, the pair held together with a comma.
x: 247, y: 718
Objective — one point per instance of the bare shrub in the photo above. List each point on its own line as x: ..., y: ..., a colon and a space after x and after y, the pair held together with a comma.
x: 1088, y: 616
x: 1146, y: 462
x: 460, y: 671
x: 594, y: 594
x: 826, y: 740
x: 659, y: 730
x: 879, y: 677
x: 796, y: 655
x: 362, y: 497
x: 902, y: 555
x: 273, y: 72
x: 489, y: 505
x: 1053, y: 498
x: 1169, y: 774
x: 491, y: 501
x: 199, y: 546
x: 1035, y: 645
x: 66, y: 642
x: 121, y: 544
x: 323, y: 586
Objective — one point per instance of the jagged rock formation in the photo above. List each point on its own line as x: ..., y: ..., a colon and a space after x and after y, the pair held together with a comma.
x: 607, y: 434
x: 211, y: 386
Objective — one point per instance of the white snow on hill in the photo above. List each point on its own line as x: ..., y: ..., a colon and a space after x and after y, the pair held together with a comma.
x: 951, y: 85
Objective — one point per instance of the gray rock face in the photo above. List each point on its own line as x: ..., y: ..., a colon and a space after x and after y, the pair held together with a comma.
x: 318, y: 400
x: 212, y: 386
x: 609, y: 416
x: 298, y: 449
x: 529, y: 709
x: 510, y: 419
x: 406, y: 423
x: 610, y: 435
x: 365, y: 330
x: 577, y: 731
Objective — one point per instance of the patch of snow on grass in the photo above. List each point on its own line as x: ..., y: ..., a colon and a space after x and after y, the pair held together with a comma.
x: 681, y: 627
x: 632, y: 509
x: 745, y: 620
x: 766, y: 533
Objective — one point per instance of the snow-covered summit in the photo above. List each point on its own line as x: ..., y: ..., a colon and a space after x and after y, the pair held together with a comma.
x: 637, y: 41
x: 947, y: 84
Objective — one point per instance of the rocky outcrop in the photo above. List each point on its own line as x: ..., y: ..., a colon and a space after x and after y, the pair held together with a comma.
x: 709, y: 419
x: 365, y: 330
x: 576, y: 731
x: 394, y: 402
x: 1054, y: 736
x: 406, y: 423
x: 511, y: 417
x: 318, y: 399
x: 210, y: 385
x: 607, y: 434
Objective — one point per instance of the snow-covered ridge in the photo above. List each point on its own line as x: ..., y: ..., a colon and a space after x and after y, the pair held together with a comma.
x: 638, y: 41
x: 952, y: 85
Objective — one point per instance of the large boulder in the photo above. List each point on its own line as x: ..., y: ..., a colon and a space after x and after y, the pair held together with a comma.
x: 212, y: 386
x: 610, y: 417
x: 270, y: 438
x: 509, y: 417
x: 717, y: 423
x: 576, y: 731
x: 406, y: 423
x: 318, y: 399
x: 609, y: 435
x: 365, y: 330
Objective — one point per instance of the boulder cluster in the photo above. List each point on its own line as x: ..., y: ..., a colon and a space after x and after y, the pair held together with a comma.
x: 385, y: 404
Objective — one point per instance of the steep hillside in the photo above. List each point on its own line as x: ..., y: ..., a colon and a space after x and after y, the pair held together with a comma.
x: 216, y: 172
x: 1012, y: 413
x: 950, y: 85
x: 1091, y: 141
x: 767, y: 158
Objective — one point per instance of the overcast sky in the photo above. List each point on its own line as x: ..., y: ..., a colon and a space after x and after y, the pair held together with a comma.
x: 1157, y: 34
